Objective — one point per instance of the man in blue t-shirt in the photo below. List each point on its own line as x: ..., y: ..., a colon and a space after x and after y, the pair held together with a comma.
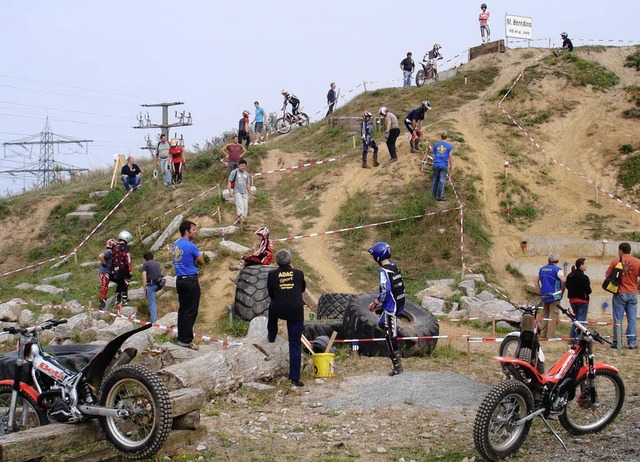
x: 442, y: 165
x: 258, y: 123
x: 186, y: 259
x: 550, y: 279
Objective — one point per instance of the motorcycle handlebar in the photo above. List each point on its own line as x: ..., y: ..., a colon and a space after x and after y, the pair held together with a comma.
x: 44, y: 326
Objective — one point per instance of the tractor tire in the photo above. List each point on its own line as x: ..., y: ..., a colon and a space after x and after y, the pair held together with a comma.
x: 414, y: 321
x: 315, y: 329
x: 333, y: 305
x: 252, y: 298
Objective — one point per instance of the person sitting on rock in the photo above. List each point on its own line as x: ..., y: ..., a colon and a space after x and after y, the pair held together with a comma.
x: 262, y: 256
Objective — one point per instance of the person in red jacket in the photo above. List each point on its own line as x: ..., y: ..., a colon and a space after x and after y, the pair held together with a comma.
x: 177, y: 161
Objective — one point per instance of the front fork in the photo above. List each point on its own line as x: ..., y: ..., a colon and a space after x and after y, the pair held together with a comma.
x: 15, y: 389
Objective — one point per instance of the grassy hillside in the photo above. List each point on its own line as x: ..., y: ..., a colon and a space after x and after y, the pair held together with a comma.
x: 575, y: 106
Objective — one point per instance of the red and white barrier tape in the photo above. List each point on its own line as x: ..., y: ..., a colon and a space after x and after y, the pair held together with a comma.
x: 299, y: 166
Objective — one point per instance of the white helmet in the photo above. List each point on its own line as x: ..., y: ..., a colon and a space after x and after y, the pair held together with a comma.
x: 125, y: 236
x: 383, y: 111
x: 426, y: 105
x: 262, y: 231
x: 436, y: 46
x: 284, y: 91
x: 564, y: 35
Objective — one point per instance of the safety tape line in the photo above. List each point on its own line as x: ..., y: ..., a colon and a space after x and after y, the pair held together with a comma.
x: 60, y: 257
x: 371, y: 225
x: 468, y: 338
x: 180, y: 205
x: 300, y: 166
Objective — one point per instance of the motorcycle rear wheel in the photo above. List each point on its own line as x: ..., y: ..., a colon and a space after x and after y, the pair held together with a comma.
x: 303, y: 119
x: 28, y: 414
x: 420, y: 78
x: 582, y: 416
x: 283, y: 125
x: 509, y: 347
x: 495, y: 434
x: 140, y: 391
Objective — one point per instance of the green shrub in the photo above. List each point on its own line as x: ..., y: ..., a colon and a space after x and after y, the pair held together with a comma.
x: 630, y: 175
x: 633, y: 60
x: 625, y: 149
x: 202, y: 163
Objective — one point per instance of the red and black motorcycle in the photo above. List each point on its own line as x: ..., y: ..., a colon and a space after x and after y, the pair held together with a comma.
x: 584, y: 395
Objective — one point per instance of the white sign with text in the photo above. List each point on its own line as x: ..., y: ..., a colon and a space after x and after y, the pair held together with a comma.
x: 518, y: 26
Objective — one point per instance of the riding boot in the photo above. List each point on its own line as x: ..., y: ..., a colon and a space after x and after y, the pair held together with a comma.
x: 118, y: 298
x: 397, y: 364
x: 364, y: 164
x: 413, y: 144
x: 375, y: 159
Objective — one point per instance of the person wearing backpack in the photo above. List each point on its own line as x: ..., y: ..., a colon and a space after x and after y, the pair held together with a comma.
x: 121, y: 267
x: 551, y: 279
x: 106, y: 266
x: 625, y: 301
x: 239, y: 183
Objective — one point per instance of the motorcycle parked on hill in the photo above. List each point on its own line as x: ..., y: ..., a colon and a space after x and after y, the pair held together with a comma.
x: 131, y: 402
x: 429, y: 71
x: 585, y: 396
x: 287, y: 120
x: 524, y: 343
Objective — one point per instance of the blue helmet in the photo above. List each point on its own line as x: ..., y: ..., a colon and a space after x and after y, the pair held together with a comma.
x: 380, y: 251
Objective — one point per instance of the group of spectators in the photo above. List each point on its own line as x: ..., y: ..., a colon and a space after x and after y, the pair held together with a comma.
x: 552, y: 280
x: 169, y: 158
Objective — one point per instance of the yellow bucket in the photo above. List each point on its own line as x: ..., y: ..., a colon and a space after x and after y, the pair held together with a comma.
x: 323, y: 364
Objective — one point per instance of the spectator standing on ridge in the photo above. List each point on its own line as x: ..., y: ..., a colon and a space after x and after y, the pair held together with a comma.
x: 550, y: 280
x: 332, y: 97
x: 239, y: 183
x: 578, y: 291
x: 243, y: 129
x: 285, y: 286
x: 407, y: 65
x: 177, y: 161
x: 567, y: 44
x: 152, y: 282
x: 233, y: 153
x: 130, y: 175
x: 485, y: 32
x: 105, y: 272
x: 259, y: 120
x: 367, y: 140
x: 291, y: 99
x: 442, y: 165
x: 413, y: 122
x: 186, y: 259
x: 391, y: 133
x: 162, y: 157
x: 392, y: 297
x: 626, y: 300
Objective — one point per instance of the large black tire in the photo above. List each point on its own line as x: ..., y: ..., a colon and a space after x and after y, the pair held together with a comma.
x: 509, y: 348
x: 28, y: 414
x: 252, y: 297
x: 420, y: 78
x: 582, y: 416
x: 283, y: 125
x: 315, y: 329
x: 140, y: 391
x: 509, y: 345
x: 415, y: 321
x: 495, y: 434
x: 333, y: 305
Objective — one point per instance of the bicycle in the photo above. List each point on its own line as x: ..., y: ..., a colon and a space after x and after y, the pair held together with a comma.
x: 287, y: 120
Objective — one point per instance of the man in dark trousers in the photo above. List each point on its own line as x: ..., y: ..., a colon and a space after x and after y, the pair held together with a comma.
x: 285, y: 286
x: 332, y: 97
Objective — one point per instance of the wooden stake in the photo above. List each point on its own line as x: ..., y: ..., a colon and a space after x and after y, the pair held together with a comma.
x: 334, y: 334
x: 307, y: 344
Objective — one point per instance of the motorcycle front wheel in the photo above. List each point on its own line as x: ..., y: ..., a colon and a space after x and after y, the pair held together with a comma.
x: 594, y: 407
x: 283, y: 125
x: 495, y: 432
x: 420, y: 78
x: 28, y: 414
x: 140, y: 392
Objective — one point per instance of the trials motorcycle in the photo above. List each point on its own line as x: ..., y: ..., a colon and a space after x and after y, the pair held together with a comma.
x: 131, y: 402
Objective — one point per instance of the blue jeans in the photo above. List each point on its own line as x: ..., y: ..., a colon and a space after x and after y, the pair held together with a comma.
x: 151, y: 301
x: 166, y: 173
x: 625, y: 304
x: 439, y: 178
x: 580, y: 310
x: 407, y: 78
x: 131, y: 183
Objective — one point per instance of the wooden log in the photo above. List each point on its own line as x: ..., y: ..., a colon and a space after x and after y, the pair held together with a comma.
x: 53, y: 438
x: 223, y: 371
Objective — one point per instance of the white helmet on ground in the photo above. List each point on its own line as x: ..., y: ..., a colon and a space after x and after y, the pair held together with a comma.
x: 125, y: 236
x: 383, y: 111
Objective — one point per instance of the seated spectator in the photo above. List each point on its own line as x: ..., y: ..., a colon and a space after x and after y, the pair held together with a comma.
x: 130, y: 175
x: 262, y: 256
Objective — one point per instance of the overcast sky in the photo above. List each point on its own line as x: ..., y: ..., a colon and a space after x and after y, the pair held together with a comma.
x: 89, y: 65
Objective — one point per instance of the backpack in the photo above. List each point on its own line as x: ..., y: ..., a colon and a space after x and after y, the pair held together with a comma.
x: 120, y: 262
x: 612, y: 282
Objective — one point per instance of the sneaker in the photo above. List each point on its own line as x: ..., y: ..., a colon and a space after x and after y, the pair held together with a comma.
x: 394, y: 159
x: 297, y: 383
x: 191, y: 346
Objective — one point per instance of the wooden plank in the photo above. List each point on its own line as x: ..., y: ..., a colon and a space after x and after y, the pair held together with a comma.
x: 332, y: 339
x: 53, y: 438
